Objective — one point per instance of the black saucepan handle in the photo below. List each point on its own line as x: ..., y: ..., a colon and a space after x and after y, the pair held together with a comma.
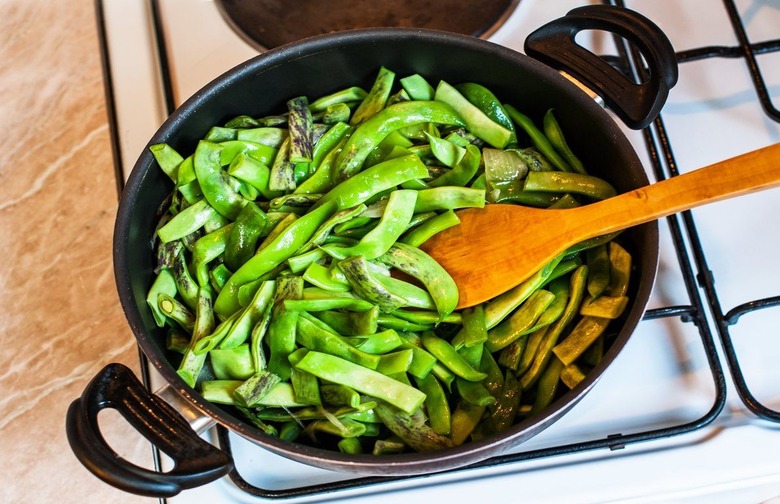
x: 196, y: 461
x: 636, y: 104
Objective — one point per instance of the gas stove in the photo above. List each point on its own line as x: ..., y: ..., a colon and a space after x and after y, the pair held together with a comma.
x: 690, y: 411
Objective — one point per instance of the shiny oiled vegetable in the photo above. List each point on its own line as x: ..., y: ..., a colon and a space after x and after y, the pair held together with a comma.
x: 291, y: 286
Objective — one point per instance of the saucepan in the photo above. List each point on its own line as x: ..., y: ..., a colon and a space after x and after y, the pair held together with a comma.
x: 315, y: 67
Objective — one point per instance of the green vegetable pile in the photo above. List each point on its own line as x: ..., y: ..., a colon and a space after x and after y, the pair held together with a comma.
x: 290, y: 280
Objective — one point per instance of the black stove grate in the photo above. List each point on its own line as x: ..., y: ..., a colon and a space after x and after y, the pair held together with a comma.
x: 691, y: 257
x: 748, y: 51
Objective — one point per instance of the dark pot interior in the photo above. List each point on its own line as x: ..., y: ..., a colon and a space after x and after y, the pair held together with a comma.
x: 324, y: 64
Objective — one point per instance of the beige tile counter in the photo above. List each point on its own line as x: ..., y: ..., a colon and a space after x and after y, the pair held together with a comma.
x: 61, y: 321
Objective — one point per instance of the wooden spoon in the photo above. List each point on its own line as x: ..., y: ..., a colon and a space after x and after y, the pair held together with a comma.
x: 498, y: 246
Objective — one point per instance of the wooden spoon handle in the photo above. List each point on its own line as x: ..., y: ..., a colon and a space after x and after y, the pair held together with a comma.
x: 751, y: 172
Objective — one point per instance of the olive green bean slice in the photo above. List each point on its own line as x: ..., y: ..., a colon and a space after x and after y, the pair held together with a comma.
x: 412, y: 428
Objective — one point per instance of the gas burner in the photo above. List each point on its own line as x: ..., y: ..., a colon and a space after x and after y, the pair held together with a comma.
x: 265, y: 24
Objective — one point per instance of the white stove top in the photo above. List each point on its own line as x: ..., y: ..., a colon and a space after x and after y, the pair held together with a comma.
x: 662, y: 378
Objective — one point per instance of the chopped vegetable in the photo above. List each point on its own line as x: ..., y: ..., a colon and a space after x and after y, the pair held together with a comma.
x: 290, y: 284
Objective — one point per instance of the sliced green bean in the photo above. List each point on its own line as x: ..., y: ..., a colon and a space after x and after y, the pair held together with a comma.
x: 520, y: 322
x: 418, y: 264
x: 294, y: 200
x: 564, y: 267
x: 321, y: 180
x: 282, y: 175
x: 192, y: 362
x: 548, y: 386
x: 345, y: 428
x: 590, y: 243
x: 554, y: 331
x: 411, y: 427
x: 484, y: 99
x: 339, y: 395
x: 395, y: 363
x: 252, y: 391
x: 425, y: 317
x: 231, y: 149
x: 370, y: 182
x: 376, y: 98
x: 395, y: 219
x: 364, y: 380
x: 398, y: 324
x: 253, y: 172
x: 449, y: 198
x: 276, y: 252
x: 186, y: 286
x: 537, y: 137
x: 445, y: 151
x: 334, y: 114
x: 329, y: 141
x: 324, y: 304
x: 306, y: 386
x: 594, y: 353
x: 313, y: 337
x: 272, y: 137
x: 220, y: 391
x: 244, y: 235
x: 465, y: 419
x: 242, y: 121
x: 610, y: 307
x: 577, y: 183
x: 362, y: 324
x: 291, y: 431
x: 216, y: 190
x: 474, y: 392
x: 164, y: 283
x: 476, y: 120
x: 474, y: 330
x: 620, y: 269
x: 501, y: 306
x: 463, y: 170
x: 495, y: 378
x: 299, y: 125
x: 510, y: 355
x: 376, y: 343
x: 448, y: 356
x: 436, y: 403
x: 211, y: 341
x: 572, y: 375
x: 553, y: 132
x: 220, y: 134
x: 347, y: 95
x: 281, y: 331
x: 598, y: 270
x: 320, y: 276
x: 187, y: 221
x: 173, y: 309
x: 417, y: 87
x: 366, y: 285
x: 394, y: 117
x: 257, y: 336
x: 587, y: 330
x: 560, y: 289
x: 419, y: 235
x: 232, y: 363
x: 251, y: 314
x: 177, y: 340
x: 504, y: 411
x: 167, y: 158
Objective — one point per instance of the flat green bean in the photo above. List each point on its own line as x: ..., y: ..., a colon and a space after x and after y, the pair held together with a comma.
x: 362, y: 379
